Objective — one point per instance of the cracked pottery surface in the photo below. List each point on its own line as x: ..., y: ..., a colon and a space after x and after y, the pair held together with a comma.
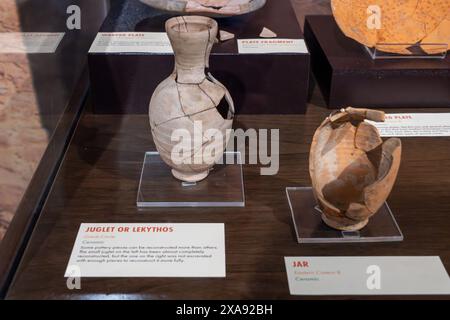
x: 189, y: 97
x: 352, y: 169
x: 401, y: 22
x: 215, y: 8
x: 23, y: 138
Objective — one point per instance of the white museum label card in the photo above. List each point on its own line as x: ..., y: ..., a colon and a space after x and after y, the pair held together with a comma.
x: 30, y: 42
x: 366, y: 276
x: 148, y: 250
x: 255, y: 46
x: 131, y: 42
x: 414, y: 125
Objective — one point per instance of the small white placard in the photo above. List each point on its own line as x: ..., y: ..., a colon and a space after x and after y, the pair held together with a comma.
x: 366, y: 276
x: 148, y: 250
x: 415, y: 125
x: 275, y: 45
x: 131, y: 42
x: 30, y: 42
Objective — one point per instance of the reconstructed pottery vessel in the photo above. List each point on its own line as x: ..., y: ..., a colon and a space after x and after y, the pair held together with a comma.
x: 401, y: 22
x: 215, y: 8
x: 188, y: 100
x: 352, y: 170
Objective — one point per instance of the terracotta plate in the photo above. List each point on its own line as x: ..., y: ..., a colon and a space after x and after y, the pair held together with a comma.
x: 213, y: 8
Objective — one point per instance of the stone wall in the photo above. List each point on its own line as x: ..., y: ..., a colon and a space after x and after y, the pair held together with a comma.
x: 22, y: 137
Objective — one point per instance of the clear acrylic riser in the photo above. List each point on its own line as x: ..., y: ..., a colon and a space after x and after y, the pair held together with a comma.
x: 310, y: 228
x: 438, y: 51
x: 224, y: 186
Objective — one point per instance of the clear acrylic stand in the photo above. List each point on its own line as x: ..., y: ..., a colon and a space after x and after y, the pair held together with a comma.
x: 224, y: 186
x: 416, y: 51
x: 310, y: 228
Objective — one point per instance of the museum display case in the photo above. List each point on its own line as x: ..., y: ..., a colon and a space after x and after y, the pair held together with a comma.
x: 186, y: 149
x: 275, y: 83
x: 382, y: 53
x: 43, y: 84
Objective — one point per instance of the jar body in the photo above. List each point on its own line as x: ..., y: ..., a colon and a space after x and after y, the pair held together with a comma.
x: 352, y: 170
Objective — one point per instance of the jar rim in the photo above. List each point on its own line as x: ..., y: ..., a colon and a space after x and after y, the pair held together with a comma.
x: 180, y: 20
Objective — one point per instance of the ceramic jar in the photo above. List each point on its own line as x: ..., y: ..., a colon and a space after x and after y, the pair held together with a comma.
x: 188, y: 130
